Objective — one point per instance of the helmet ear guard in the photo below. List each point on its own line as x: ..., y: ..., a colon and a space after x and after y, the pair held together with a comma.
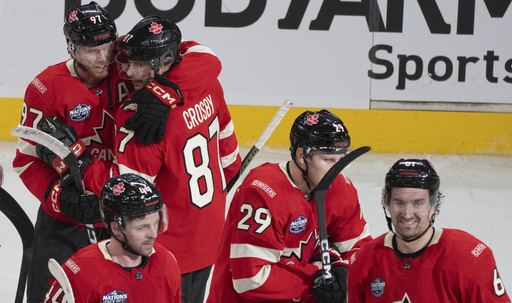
x: 122, y: 221
x: 152, y: 39
x: 412, y: 173
x: 89, y: 25
x: 320, y: 130
x: 128, y: 196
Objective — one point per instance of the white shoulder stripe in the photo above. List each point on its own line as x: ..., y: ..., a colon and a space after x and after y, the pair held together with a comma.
x: 199, y: 49
x: 349, y: 244
x: 123, y: 169
x: 243, y: 285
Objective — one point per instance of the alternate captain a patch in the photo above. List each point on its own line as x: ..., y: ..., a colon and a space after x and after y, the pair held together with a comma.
x: 115, y: 296
x: 377, y: 287
x: 80, y: 112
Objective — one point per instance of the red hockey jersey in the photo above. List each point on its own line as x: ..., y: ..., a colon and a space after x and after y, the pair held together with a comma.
x: 58, y: 91
x: 95, y: 277
x: 271, y: 233
x: 192, y: 165
x: 455, y: 267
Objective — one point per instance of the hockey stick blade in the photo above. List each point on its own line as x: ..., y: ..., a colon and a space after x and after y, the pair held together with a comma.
x: 260, y: 142
x: 61, y: 150
x: 59, y: 275
x: 53, y: 144
x: 13, y: 211
x: 319, y: 192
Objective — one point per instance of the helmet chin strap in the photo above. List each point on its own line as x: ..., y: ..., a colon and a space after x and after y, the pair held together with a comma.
x: 71, y: 52
x: 390, y: 226
x: 125, y: 244
x: 304, y: 172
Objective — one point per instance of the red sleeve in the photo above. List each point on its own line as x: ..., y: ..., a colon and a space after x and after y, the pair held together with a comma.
x: 35, y: 174
x: 346, y: 225
x: 228, y: 144
x: 206, y: 66
x: 256, y: 252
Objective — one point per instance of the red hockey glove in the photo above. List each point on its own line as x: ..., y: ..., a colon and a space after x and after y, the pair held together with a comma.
x: 64, y: 197
x: 67, y: 135
x: 333, y: 292
x: 154, y: 104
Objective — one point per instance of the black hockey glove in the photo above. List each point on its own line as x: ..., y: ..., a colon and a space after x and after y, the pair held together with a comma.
x: 72, y: 203
x: 154, y: 104
x: 67, y: 135
x: 333, y: 292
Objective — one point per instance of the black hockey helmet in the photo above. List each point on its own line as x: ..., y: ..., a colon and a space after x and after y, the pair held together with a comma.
x: 320, y: 130
x: 152, y: 39
x: 412, y: 173
x: 127, y: 196
x: 89, y: 25
x: 415, y: 173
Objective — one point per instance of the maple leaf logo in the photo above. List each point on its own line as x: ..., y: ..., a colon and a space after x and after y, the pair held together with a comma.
x: 72, y: 16
x: 155, y: 28
x: 312, y: 119
x: 118, y: 189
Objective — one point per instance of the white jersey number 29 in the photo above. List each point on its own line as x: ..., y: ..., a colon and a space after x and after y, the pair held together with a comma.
x: 196, y: 157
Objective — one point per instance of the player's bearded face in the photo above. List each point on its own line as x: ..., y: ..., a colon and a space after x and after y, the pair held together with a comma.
x: 141, y: 233
x: 410, y: 211
x: 319, y: 164
x: 95, y: 60
x: 140, y: 72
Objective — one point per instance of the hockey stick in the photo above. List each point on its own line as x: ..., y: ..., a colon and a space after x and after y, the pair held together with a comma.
x: 261, y: 141
x: 60, y: 275
x: 319, y: 192
x: 61, y: 150
x: 25, y: 228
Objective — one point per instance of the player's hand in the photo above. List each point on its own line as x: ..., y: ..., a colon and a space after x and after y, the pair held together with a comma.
x: 154, y: 104
x: 73, y: 204
x: 333, y: 292
x: 67, y: 135
x: 334, y: 253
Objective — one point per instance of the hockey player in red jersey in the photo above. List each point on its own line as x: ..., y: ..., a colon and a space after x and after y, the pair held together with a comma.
x: 267, y: 251
x: 84, y: 93
x: 130, y: 266
x: 416, y: 262
x: 199, y: 152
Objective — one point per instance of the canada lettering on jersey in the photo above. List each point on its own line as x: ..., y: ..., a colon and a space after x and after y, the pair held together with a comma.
x: 102, y: 154
x: 201, y: 111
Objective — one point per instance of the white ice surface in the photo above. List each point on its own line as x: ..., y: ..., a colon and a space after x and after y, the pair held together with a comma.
x: 477, y: 189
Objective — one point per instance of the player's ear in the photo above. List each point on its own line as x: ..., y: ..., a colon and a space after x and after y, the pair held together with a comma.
x: 164, y: 68
x: 299, y: 155
x: 116, y: 229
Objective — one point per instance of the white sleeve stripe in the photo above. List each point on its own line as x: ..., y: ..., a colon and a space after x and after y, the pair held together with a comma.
x: 26, y: 148
x: 253, y: 251
x: 124, y: 170
x: 229, y: 159
x: 200, y: 49
x: 20, y: 170
x: 349, y: 244
x: 227, y: 131
x: 243, y: 285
